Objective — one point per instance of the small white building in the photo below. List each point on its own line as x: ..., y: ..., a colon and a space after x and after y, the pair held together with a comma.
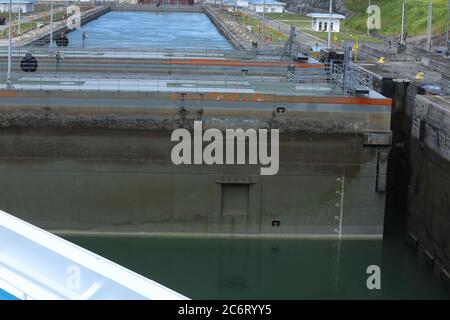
x: 268, y: 6
x: 321, y: 21
x: 26, y: 6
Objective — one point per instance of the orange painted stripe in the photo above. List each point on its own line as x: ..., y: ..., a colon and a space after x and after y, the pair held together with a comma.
x: 275, y: 98
x: 7, y: 93
x: 242, y: 63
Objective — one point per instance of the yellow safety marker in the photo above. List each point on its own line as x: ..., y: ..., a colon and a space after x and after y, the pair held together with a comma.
x: 356, y: 47
x: 420, y: 76
x: 335, y: 38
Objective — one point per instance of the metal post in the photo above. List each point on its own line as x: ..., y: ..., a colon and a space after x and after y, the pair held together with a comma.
x: 329, y: 24
x: 448, y: 31
x: 402, y: 34
x: 348, y: 47
x: 368, y: 17
x: 51, y: 23
x: 20, y: 11
x: 430, y: 25
x: 8, y: 76
x: 264, y: 11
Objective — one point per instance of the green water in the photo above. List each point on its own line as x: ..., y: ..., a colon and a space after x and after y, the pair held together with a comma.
x: 275, y: 269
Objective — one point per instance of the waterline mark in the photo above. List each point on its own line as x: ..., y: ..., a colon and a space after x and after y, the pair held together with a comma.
x: 228, y: 149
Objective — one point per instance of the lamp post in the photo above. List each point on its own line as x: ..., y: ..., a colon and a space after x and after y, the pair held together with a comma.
x: 264, y: 17
x: 329, y: 24
x: 84, y: 36
x: 8, y: 76
x: 20, y: 11
x: 448, y: 24
x: 368, y: 17
x: 51, y: 23
x: 429, y: 26
x: 402, y: 35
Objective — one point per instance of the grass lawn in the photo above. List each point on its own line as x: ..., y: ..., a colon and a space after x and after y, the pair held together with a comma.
x: 14, y: 15
x: 24, y: 27
x: 56, y: 16
x: 299, y: 21
x: 257, y: 28
x: 303, y: 23
x: 343, y: 36
x: 286, y: 16
x: 391, y: 12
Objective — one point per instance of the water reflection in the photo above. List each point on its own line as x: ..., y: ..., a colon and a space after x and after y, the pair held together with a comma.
x: 273, y: 269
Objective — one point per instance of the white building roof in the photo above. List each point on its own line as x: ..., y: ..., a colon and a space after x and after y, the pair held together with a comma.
x: 326, y: 15
x: 267, y: 2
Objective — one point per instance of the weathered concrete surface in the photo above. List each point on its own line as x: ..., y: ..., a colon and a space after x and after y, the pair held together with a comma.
x: 429, y: 222
x: 419, y: 164
x: 100, y: 162
x: 123, y: 181
x: 157, y: 111
x: 75, y: 65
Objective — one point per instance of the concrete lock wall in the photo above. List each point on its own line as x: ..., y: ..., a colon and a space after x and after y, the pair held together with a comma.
x: 429, y: 221
x: 61, y: 180
x: 84, y: 170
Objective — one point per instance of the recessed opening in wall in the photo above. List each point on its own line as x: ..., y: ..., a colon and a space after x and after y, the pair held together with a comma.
x: 276, y: 223
x: 235, y: 199
x: 281, y: 110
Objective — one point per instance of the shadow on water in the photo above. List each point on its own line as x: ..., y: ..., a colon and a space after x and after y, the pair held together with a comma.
x: 276, y: 269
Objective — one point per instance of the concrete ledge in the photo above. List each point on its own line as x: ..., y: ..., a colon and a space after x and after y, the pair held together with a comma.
x: 158, y: 111
x: 72, y: 233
